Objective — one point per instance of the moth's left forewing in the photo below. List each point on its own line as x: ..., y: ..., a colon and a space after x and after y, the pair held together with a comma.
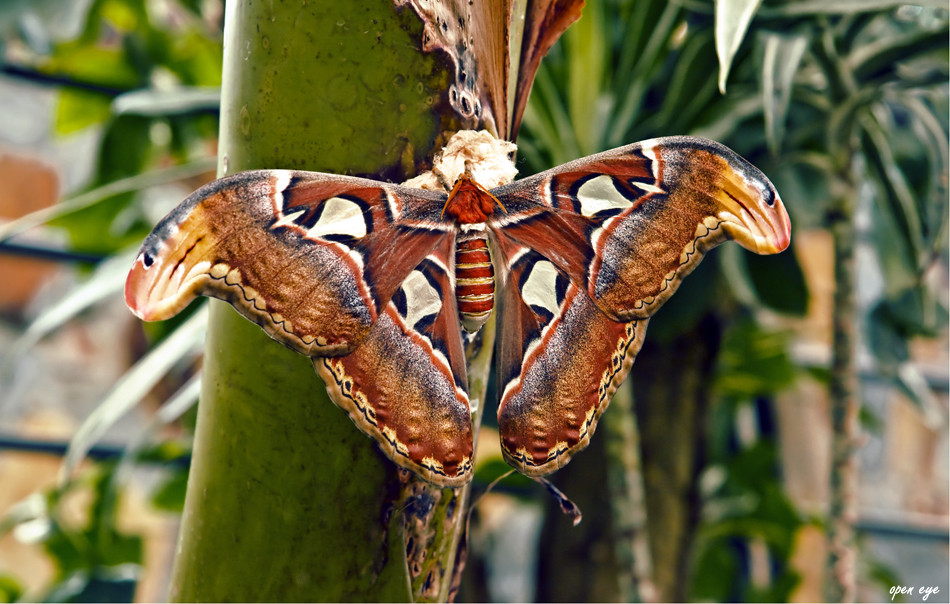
x: 352, y: 272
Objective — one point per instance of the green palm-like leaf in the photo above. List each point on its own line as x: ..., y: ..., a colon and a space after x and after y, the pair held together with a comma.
x: 781, y: 58
x: 181, y: 344
x: 732, y: 22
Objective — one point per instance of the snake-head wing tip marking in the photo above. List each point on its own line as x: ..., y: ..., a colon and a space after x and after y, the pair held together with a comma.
x: 138, y: 289
x: 781, y: 234
x: 151, y: 295
x: 752, y: 211
x: 131, y: 288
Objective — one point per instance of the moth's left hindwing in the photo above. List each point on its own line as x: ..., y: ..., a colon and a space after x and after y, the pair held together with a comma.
x: 352, y: 272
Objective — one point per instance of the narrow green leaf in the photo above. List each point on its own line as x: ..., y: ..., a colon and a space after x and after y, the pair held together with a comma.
x: 851, y: 30
x: 723, y: 125
x: 893, y: 187
x: 131, y: 387
x: 150, y: 102
x: 732, y: 21
x: 840, y: 130
x: 918, y: 311
x: 545, y: 111
x: 883, y: 55
x: 90, y: 198
x: 691, y: 87
x: 933, y: 134
x: 639, y: 22
x: 632, y: 82
x: 172, y: 495
x: 555, y: 131
x: 896, y: 260
x: 184, y: 399
x: 781, y: 57
x: 935, y: 129
x: 803, y: 8
x: 888, y: 335
x: 913, y: 384
x: 586, y: 65
x: 106, y: 281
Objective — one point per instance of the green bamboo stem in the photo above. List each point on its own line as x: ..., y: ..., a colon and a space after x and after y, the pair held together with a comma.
x: 670, y: 388
x: 840, y: 585
x: 285, y: 496
x: 287, y: 500
x: 841, y: 563
x: 434, y: 541
x: 628, y: 501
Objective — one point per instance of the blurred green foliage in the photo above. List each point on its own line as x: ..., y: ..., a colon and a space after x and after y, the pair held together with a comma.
x: 831, y: 100
x: 94, y: 560
x: 145, y: 76
x: 123, y: 48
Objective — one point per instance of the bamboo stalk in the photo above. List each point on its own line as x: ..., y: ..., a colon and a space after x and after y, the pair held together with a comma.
x: 628, y: 501
x: 843, y: 388
x: 287, y: 500
x: 841, y: 564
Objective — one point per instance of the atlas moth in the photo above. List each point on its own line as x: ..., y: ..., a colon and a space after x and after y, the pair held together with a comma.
x: 376, y: 281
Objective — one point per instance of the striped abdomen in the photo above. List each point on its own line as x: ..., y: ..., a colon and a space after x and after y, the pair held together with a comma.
x: 474, y: 282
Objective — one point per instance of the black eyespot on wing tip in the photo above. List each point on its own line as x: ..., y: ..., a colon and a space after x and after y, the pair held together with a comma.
x: 147, y: 260
x: 770, y: 196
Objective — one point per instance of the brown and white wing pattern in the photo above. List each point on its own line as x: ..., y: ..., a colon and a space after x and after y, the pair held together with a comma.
x: 406, y: 384
x: 628, y: 224
x: 312, y: 258
x: 558, y: 365
x: 592, y: 249
x: 351, y: 272
x: 361, y: 276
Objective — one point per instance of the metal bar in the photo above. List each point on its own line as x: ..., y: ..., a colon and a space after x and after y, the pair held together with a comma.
x: 100, y: 452
x: 44, y: 252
